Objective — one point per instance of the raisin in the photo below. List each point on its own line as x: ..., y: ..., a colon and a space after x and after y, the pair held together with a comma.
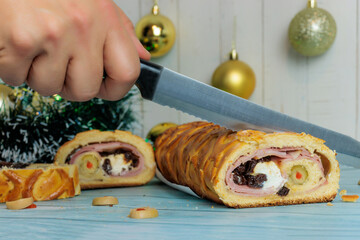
x: 239, y: 179
x: 261, y: 178
x: 134, y: 163
x: 240, y: 169
x: 107, y: 166
x: 253, y: 181
x: 242, y: 174
x: 250, y: 181
x: 128, y: 156
x: 283, y: 191
x: 250, y: 165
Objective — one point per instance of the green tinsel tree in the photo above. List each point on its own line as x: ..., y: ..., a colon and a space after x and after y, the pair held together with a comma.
x: 32, y: 127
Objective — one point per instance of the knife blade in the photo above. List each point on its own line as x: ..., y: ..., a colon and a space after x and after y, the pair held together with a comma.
x: 169, y: 88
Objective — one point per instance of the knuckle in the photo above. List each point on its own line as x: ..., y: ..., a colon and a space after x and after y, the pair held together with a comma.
x: 80, y: 19
x: 22, y: 41
x: 55, y: 30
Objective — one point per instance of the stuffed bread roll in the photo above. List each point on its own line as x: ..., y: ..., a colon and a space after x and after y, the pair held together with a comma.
x: 39, y: 181
x: 109, y: 158
x: 248, y: 168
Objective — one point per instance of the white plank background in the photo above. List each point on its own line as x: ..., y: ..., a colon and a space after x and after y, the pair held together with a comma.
x: 323, y: 90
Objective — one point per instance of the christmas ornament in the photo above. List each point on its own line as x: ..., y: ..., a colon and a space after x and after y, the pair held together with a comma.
x: 159, y: 129
x: 34, y: 127
x: 312, y: 31
x: 156, y: 32
x: 235, y: 77
x: 5, y: 91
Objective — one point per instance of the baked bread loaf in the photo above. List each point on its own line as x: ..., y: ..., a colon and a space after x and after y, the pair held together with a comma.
x: 248, y: 168
x: 40, y: 181
x: 109, y: 158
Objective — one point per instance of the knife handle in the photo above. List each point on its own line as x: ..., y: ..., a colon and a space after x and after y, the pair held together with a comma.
x: 148, y: 79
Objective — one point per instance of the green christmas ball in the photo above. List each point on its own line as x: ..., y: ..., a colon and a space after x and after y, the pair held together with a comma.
x: 312, y: 31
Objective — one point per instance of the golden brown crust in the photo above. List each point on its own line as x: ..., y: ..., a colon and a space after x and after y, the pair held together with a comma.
x: 199, y: 154
x: 42, y: 182
x: 283, y: 203
x: 100, y: 180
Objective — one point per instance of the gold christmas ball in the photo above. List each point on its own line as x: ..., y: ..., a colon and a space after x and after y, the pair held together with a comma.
x: 156, y: 33
x: 235, y: 77
x: 5, y: 93
x: 312, y: 31
x: 159, y: 129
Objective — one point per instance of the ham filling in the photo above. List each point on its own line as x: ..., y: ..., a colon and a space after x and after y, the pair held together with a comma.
x: 268, y: 155
x: 111, y: 159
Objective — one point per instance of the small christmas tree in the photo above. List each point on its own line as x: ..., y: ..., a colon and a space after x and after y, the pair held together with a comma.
x: 32, y: 127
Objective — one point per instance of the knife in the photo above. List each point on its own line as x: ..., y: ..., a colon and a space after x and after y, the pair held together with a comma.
x: 169, y: 88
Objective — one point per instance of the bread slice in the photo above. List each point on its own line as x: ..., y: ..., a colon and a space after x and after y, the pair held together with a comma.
x: 248, y: 168
x: 40, y: 181
x: 109, y: 158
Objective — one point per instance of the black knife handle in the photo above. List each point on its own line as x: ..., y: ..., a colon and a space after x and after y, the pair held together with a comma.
x: 148, y: 79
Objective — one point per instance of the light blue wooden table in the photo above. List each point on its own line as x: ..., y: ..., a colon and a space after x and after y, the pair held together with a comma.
x: 182, y: 216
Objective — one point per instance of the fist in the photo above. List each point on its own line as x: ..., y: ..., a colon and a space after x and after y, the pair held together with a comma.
x: 64, y: 46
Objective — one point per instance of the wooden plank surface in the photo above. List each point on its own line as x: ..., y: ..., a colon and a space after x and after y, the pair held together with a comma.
x: 182, y: 216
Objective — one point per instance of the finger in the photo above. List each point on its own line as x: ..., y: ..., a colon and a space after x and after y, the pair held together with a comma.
x: 83, y: 77
x: 143, y: 53
x: 47, y: 73
x: 14, y: 71
x: 121, y: 62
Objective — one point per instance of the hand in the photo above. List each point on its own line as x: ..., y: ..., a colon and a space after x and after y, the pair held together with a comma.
x: 63, y: 46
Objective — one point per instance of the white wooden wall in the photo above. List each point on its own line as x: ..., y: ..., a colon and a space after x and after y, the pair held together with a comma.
x: 323, y: 90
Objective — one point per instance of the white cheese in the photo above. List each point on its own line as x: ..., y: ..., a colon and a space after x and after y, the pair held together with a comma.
x: 118, y: 164
x: 272, y: 172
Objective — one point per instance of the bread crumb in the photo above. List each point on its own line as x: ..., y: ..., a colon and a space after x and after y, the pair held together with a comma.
x: 349, y: 198
x: 342, y: 192
x: 330, y: 204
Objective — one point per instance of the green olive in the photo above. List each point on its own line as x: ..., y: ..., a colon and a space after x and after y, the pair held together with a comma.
x: 299, y: 174
x: 89, y: 162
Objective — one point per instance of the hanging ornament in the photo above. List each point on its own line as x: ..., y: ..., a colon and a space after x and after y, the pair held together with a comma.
x: 312, y: 31
x: 156, y: 32
x: 234, y: 76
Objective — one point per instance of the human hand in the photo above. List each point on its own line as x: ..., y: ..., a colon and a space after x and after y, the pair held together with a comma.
x: 63, y: 47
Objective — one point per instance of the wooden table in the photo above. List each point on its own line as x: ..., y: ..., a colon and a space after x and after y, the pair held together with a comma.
x: 182, y: 216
